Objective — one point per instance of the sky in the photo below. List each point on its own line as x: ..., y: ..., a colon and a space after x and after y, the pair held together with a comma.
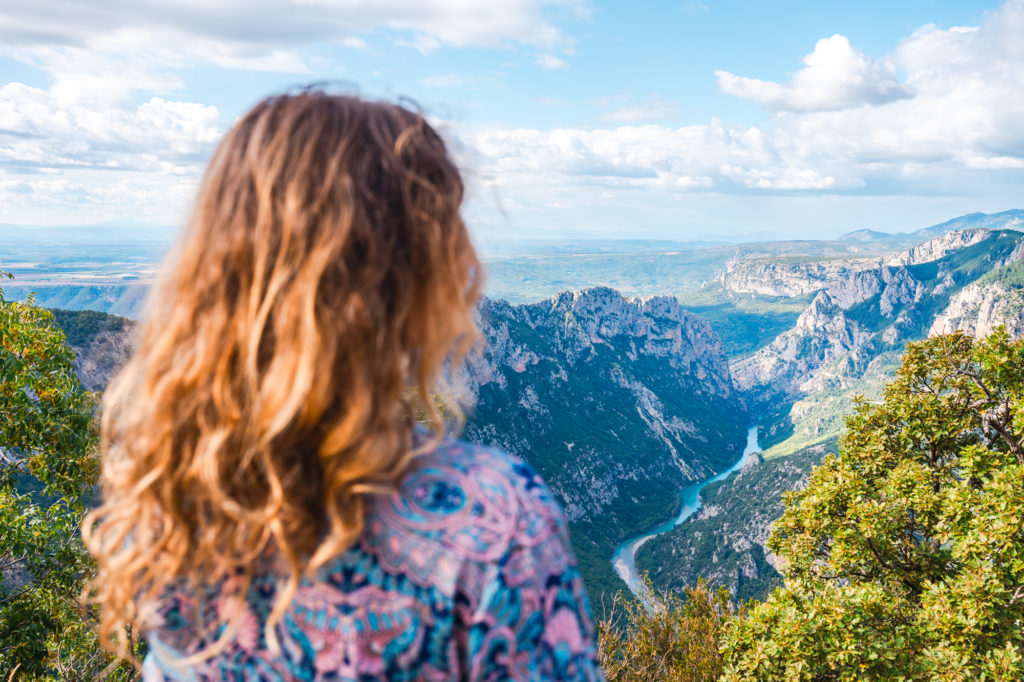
x: 682, y: 120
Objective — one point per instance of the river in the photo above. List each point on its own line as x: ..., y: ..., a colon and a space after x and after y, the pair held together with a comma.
x: 624, y: 559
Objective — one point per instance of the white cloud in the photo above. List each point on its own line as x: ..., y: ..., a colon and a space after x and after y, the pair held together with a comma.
x: 968, y: 103
x: 652, y: 109
x: 639, y: 157
x: 108, y: 51
x: 87, y: 200
x: 115, y: 65
x: 835, y: 76
x: 257, y: 27
x: 945, y: 109
x: 962, y: 127
x: 37, y: 131
x: 551, y: 63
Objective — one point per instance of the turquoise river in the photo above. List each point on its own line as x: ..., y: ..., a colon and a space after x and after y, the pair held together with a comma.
x: 624, y: 559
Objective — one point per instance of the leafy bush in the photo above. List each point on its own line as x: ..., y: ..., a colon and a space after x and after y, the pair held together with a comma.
x: 906, y: 552
x: 674, y: 640
x: 48, y: 469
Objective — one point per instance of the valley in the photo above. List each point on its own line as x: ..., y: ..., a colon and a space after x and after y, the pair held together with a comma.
x: 630, y: 378
x: 624, y: 558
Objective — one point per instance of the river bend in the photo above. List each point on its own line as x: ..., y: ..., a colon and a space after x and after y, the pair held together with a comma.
x: 624, y: 559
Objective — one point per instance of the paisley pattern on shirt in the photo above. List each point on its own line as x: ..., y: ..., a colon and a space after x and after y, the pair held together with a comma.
x: 465, y: 572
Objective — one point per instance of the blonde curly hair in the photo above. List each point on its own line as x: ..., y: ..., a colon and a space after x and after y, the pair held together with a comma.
x: 322, y: 287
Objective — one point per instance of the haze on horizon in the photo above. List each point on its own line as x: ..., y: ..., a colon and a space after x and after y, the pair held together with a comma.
x: 714, y: 121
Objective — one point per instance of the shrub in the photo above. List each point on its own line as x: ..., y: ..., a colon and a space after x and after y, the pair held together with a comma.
x: 48, y: 470
x: 672, y: 639
x: 906, y: 552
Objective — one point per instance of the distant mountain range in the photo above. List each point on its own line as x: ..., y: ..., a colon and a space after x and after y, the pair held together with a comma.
x: 1005, y: 220
x: 113, y: 259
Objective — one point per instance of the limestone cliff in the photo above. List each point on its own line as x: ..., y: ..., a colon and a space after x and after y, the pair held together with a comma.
x: 940, y: 247
x: 769, y: 277
x: 978, y: 309
x: 618, y: 403
x: 857, y: 318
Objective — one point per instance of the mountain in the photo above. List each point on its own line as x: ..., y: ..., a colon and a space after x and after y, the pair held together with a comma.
x: 845, y: 343
x: 618, y: 402
x: 859, y: 317
x: 864, y: 235
x: 1004, y: 220
x: 996, y: 298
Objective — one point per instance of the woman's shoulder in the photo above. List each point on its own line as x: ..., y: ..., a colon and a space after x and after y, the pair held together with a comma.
x: 465, y: 503
x: 478, y: 474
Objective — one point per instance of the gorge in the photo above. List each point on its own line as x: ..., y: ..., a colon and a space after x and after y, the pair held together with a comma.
x: 628, y: 404
x: 624, y: 558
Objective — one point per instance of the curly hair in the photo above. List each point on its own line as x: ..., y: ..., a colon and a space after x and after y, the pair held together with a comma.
x: 322, y: 290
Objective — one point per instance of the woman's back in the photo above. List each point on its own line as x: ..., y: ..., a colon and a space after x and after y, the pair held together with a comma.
x: 463, y: 572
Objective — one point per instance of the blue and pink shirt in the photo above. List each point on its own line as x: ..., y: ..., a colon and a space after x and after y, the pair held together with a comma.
x: 464, y: 572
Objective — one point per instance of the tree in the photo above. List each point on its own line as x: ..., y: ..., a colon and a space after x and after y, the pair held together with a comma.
x: 905, y: 554
x: 673, y: 640
x: 48, y: 470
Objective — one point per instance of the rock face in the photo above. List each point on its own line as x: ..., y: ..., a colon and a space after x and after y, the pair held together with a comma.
x: 774, y: 278
x: 940, y: 247
x: 872, y: 311
x: 99, y: 360
x: 102, y: 344
x: 978, y: 309
x: 822, y: 335
x: 849, y: 280
x: 619, y: 403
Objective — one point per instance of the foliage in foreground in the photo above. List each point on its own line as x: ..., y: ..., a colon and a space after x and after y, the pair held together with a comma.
x: 48, y: 468
x: 676, y: 641
x: 906, y: 552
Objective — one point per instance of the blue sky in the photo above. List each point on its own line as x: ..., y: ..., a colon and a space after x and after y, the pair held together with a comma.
x: 572, y: 118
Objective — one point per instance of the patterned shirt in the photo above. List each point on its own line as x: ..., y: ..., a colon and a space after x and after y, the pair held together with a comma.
x: 465, y: 572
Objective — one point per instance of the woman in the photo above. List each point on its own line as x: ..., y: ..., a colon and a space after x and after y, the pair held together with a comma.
x: 270, y: 511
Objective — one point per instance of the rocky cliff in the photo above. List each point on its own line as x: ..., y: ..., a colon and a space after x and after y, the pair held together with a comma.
x: 618, y: 403
x: 843, y: 277
x: 995, y: 299
x: 857, y: 318
x: 768, y: 277
x: 102, y: 344
x: 939, y: 247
